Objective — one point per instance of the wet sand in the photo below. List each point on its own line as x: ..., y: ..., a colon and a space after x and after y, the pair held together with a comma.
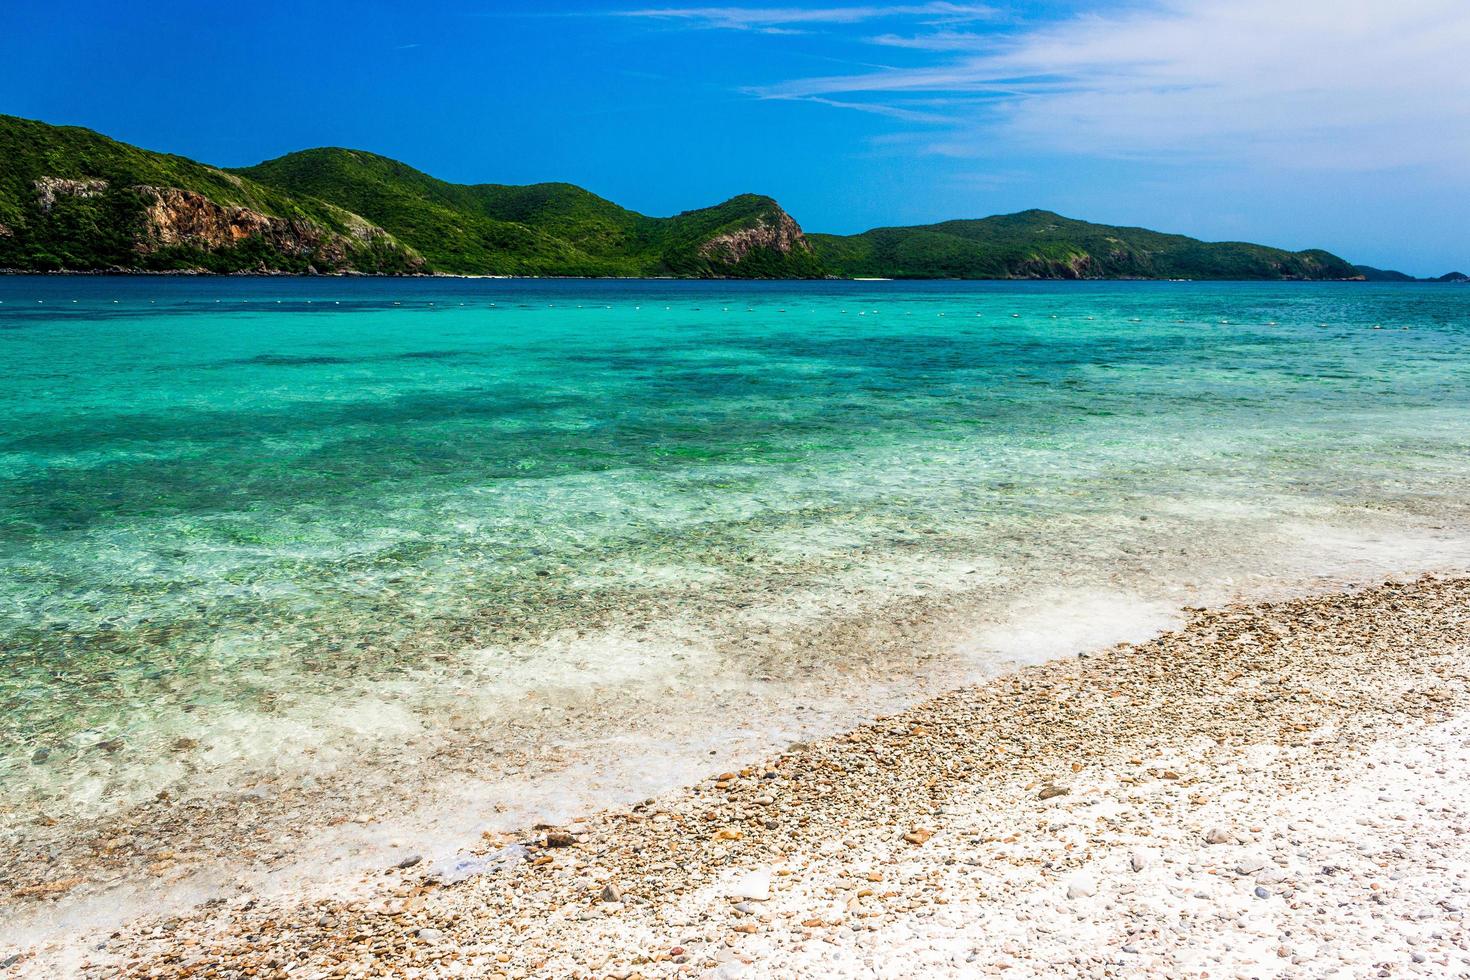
x: 1273, y: 789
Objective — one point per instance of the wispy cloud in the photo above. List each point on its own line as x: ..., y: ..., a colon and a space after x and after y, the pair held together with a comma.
x: 904, y: 112
x: 937, y: 41
x: 790, y: 20
x: 1353, y: 84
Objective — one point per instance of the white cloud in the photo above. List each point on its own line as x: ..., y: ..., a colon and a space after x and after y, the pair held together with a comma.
x: 791, y: 19
x: 936, y: 41
x: 1339, y: 84
x: 906, y: 113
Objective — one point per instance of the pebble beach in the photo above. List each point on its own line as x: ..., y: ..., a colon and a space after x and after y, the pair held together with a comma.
x: 1274, y: 789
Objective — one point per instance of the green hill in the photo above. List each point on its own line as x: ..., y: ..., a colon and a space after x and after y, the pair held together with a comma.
x: 72, y: 199
x: 1043, y: 245
x: 544, y: 229
x: 1370, y: 274
x: 1389, y: 275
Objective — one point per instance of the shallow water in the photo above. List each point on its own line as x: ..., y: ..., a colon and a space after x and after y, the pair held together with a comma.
x: 255, y: 525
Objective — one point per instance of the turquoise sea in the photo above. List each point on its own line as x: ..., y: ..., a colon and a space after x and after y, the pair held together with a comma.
x: 254, y: 525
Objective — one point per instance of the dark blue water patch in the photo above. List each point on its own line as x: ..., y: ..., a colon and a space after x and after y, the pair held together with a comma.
x: 327, y: 360
x: 283, y: 360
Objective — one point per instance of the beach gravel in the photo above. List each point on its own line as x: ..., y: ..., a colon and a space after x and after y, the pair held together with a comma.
x: 1275, y: 789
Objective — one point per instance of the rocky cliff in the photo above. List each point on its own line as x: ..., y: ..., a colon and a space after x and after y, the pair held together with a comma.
x: 92, y: 224
x: 776, y: 232
x: 176, y: 218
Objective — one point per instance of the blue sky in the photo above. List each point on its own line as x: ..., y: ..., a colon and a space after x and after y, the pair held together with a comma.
x: 1342, y: 124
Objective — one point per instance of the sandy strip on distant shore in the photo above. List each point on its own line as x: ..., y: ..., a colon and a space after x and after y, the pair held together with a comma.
x: 1274, y: 790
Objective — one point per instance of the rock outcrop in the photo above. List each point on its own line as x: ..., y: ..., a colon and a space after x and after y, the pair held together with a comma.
x: 776, y: 231
x: 175, y: 217
x: 48, y: 189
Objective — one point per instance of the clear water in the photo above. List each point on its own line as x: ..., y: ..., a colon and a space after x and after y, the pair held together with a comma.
x: 243, y: 522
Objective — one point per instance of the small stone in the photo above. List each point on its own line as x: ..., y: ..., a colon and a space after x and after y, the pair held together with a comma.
x: 1261, y: 892
x: 560, y: 838
x: 1138, y: 861
x: 610, y: 893
x: 752, y: 887
x: 1218, y: 835
x: 1081, y: 887
x: 918, y: 836
x: 409, y: 861
x: 429, y: 935
x: 1051, y: 791
x: 39, y: 756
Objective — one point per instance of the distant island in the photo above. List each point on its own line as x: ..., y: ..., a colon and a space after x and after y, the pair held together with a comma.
x: 1371, y: 274
x: 73, y: 200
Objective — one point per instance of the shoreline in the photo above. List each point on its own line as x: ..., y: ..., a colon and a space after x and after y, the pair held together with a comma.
x: 314, y: 822
x: 632, y: 885
x: 206, y: 274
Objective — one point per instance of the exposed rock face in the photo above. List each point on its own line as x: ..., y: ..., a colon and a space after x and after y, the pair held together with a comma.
x: 1079, y: 265
x: 776, y: 231
x: 48, y: 189
x: 6, y: 232
x: 178, y: 217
